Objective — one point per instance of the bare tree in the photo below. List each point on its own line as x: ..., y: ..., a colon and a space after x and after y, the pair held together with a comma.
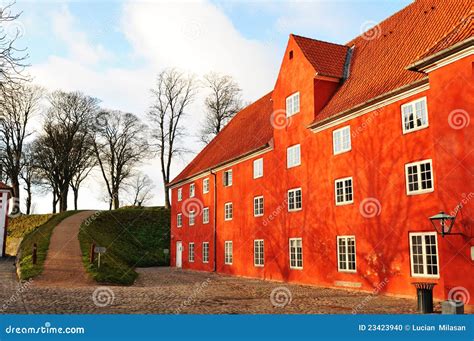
x: 222, y: 103
x: 18, y: 105
x: 173, y: 92
x: 12, y: 59
x: 66, y: 132
x: 140, y: 189
x: 120, y: 145
x: 86, y: 162
x: 29, y: 175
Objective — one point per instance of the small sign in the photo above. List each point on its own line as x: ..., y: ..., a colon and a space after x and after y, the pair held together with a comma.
x: 166, y: 251
x: 472, y: 252
x: 100, y: 249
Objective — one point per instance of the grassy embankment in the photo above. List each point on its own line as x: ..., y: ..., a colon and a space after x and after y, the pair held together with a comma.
x: 40, y: 235
x: 20, y: 226
x: 133, y: 238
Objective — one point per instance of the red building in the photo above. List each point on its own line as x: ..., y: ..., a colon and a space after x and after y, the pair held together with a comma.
x: 331, y: 178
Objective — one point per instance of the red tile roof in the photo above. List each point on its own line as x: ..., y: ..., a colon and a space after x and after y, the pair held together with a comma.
x: 248, y: 131
x: 380, y: 57
x: 328, y: 59
x: 3, y: 186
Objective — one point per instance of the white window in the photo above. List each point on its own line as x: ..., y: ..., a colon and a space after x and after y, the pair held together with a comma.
x: 341, y: 140
x: 258, y: 252
x: 228, y: 252
x: 293, y: 104
x: 191, y: 252
x: 180, y: 194
x: 258, y: 168
x: 414, y: 115
x: 192, y: 217
x: 346, y: 254
x: 205, y: 185
x: 293, y: 156
x: 296, y: 253
x: 179, y: 220
x: 205, y: 252
x: 419, y: 177
x: 424, y: 254
x: 258, y: 206
x: 294, y: 199
x: 344, y: 192
x: 192, y: 190
x: 205, y: 215
x: 227, y: 178
x: 228, y: 211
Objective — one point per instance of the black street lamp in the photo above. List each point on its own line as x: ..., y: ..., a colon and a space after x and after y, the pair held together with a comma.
x: 443, y: 223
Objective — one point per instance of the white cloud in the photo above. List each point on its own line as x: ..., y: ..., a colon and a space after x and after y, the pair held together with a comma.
x: 80, y: 48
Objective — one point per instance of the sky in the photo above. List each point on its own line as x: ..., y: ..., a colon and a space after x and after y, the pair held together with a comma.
x: 113, y: 50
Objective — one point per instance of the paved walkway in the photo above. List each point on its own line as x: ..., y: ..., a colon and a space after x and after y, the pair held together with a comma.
x: 63, y: 266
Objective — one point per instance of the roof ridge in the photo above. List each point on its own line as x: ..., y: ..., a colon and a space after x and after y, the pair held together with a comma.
x: 321, y: 41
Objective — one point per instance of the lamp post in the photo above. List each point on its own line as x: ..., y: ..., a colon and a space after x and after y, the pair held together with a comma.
x: 443, y: 223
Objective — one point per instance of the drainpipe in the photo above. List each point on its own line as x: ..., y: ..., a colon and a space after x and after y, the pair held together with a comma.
x: 215, y: 218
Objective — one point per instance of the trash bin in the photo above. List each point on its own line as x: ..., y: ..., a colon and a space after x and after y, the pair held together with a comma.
x: 424, y: 292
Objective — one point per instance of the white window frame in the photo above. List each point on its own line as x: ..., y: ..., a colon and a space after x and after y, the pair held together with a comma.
x: 346, y: 251
x: 192, y: 190
x: 342, y: 134
x: 257, y: 206
x: 228, y: 252
x: 228, y: 182
x: 418, y: 173
x: 424, y: 255
x: 226, y: 210
x: 257, y: 260
x: 205, y: 252
x: 344, y: 191
x: 291, y: 160
x: 293, y: 104
x: 258, y: 168
x: 205, y: 185
x: 180, y: 194
x: 179, y: 220
x: 191, y: 254
x: 205, y: 215
x: 294, y: 190
x: 192, y: 217
x: 295, y: 267
x: 412, y: 104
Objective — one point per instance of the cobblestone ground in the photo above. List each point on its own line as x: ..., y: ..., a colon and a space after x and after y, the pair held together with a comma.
x: 170, y: 291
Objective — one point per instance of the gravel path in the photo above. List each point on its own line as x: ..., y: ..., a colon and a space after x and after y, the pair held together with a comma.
x: 63, y: 266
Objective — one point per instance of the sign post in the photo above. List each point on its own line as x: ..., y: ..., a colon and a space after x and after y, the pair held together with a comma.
x: 100, y: 250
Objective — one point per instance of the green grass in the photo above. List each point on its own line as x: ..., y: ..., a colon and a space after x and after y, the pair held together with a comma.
x: 20, y: 226
x: 41, y: 236
x: 133, y: 238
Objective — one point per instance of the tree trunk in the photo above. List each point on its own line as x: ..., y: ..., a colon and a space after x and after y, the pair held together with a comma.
x: 116, y: 202
x: 167, y: 198
x: 54, y: 201
x: 63, y: 199
x: 28, y: 199
x: 16, y: 196
x: 76, y: 197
